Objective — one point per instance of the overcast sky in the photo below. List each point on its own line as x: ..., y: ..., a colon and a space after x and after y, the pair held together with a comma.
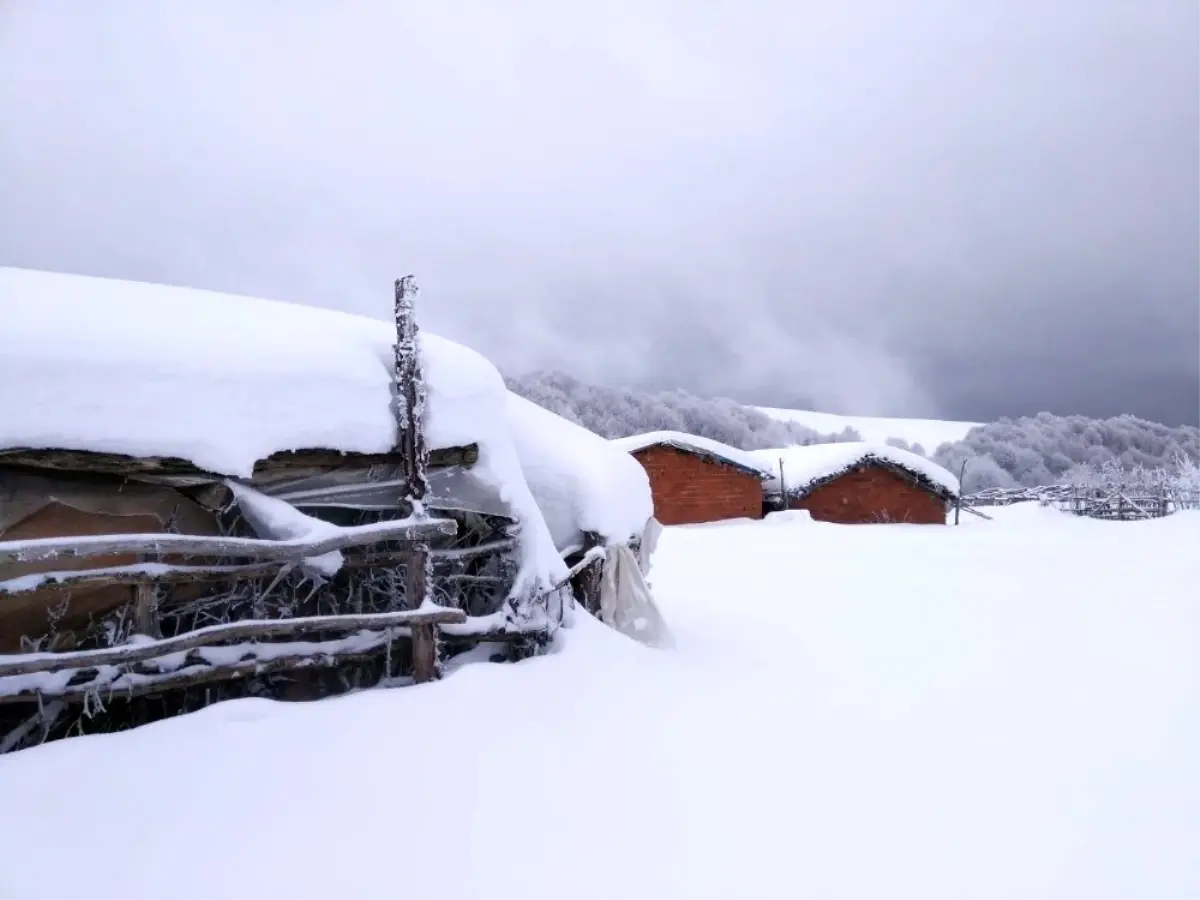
x: 969, y: 208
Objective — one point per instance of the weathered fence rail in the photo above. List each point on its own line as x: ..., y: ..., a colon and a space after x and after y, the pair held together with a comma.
x: 1114, y: 503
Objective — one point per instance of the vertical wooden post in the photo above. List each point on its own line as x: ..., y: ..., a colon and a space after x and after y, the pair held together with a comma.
x: 409, y: 410
x: 145, y: 605
x: 145, y: 610
x: 425, y: 663
x: 783, y: 487
x: 585, y: 585
x: 410, y: 394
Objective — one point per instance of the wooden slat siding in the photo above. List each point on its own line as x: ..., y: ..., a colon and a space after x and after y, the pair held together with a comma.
x: 82, y: 461
x: 185, y: 574
x: 235, y: 547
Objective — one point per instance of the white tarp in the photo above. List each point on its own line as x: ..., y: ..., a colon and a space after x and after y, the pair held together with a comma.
x: 626, y: 604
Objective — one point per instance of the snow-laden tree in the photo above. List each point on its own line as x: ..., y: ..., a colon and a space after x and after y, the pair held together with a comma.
x: 621, y: 412
x: 902, y: 444
x: 1047, y: 449
x: 1031, y: 451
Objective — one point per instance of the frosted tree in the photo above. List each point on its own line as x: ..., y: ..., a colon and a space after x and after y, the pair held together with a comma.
x: 902, y: 444
x: 1046, y: 449
x: 620, y: 412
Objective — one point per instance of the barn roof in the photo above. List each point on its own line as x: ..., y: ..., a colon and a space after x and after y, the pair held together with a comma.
x: 808, y: 467
x: 702, y: 447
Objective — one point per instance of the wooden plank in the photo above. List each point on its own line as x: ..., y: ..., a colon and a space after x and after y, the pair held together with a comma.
x: 205, y: 674
x: 145, y: 610
x: 440, y: 458
x: 39, y: 549
x: 424, y: 654
x: 500, y: 546
x: 137, y: 574
x: 31, y: 663
x: 585, y: 576
x: 187, y: 472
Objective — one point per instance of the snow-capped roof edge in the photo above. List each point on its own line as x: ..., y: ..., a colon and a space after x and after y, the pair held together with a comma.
x: 920, y: 479
x: 705, y: 448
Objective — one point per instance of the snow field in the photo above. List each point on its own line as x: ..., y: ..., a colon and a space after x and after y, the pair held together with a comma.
x: 929, y: 433
x: 1003, y: 709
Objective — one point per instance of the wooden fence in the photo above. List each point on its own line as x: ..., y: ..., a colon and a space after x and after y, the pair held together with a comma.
x: 1115, y: 503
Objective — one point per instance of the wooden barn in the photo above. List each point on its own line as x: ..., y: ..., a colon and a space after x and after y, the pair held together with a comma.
x: 859, y: 483
x: 343, y: 506
x: 694, y: 479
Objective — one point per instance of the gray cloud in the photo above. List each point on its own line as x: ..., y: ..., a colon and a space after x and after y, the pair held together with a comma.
x: 969, y: 209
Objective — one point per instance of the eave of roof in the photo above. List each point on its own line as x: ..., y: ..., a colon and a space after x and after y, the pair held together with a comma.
x: 706, y: 455
x: 870, y: 459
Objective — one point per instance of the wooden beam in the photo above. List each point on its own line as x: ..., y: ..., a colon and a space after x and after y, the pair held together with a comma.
x: 38, y: 549
x: 200, y: 674
x: 440, y: 458
x: 424, y: 654
x: 33, y: 663
x: 137, y: 574
x: 408, y: 409
x: 182, y: 471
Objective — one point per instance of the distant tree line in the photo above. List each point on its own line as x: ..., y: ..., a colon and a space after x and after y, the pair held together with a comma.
x: 1030, y: 451
x: 621, y: 412
x: 1048, y: 449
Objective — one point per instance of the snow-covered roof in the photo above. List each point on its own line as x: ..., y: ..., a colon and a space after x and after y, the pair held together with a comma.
x: 220, y: 380
x: 690, y: 443
x: 223, y: 381
x: 580, y: 480
x: 806, y: 466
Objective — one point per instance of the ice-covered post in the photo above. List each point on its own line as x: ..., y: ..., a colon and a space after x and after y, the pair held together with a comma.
x: 409, y: 409
x: 409, y: 398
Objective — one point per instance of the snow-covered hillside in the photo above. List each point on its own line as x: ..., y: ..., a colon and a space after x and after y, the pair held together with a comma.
x: 929, y: 433
x: 1004, y: 709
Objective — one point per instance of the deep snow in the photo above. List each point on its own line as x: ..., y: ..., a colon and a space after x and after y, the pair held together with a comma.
x: 1003, y: 709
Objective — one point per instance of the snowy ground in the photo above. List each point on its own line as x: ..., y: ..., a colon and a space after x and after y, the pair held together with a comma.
x: 929, y: 433
x: 1004, y: 709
